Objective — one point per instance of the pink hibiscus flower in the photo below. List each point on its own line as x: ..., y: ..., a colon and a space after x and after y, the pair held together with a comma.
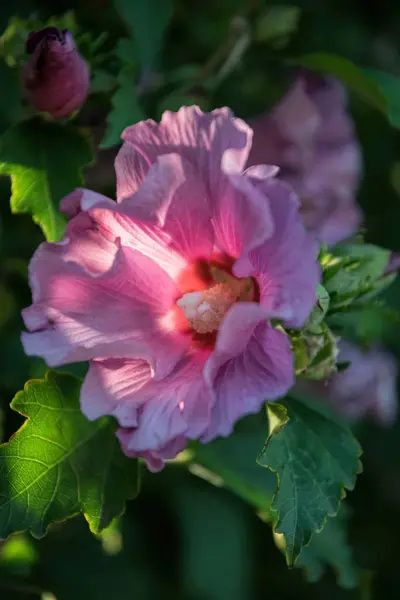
x: 310, y: 136
x: 169, y: 292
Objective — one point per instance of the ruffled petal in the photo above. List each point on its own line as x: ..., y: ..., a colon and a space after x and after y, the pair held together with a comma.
x: 286, y: 265
x: 201, y: 138
x: 82, y: 199
x: 152, y: 413
x: 110, y: 387
x: 120, y: 313
x: 156, y: 460
x: 242, y: 218
x: 242, y: 383
x: 168, y: 219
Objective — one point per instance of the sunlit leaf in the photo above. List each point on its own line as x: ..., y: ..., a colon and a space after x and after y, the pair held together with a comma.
x: 60, y: 464
x: 45, y: 162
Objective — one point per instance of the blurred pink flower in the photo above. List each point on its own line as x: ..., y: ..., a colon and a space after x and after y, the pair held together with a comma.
x: 168, y: 293
x: 56, y: 78
x: 310, y: 136
x: 367, y: 387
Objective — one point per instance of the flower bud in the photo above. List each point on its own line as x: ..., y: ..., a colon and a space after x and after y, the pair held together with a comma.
x: 56, y: 78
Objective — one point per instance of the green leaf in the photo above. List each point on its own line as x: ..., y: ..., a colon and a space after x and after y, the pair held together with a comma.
x: 379, y: 89
x: 60, y: 464
x: 126, y: 109
x: 355, y: 272
x: 316, y: 459
x: 330, y: 547
x: 44, y: 161
x: 146, y: 21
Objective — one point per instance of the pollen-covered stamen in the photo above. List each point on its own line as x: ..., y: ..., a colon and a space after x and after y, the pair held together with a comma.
x: 205, y: 309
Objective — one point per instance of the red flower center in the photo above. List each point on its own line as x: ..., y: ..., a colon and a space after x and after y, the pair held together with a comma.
x: 208, y: 290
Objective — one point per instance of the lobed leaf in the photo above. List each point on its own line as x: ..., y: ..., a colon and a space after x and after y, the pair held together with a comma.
x: 316, y: 459
x: 60, y: 464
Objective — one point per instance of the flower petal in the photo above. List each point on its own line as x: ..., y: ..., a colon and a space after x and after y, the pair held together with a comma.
x: 242, y: 218
x: 110, y: 387
x: 178, y: 405
x: 151, y: 413
x: 286, y: 265
x: 168, y: 219
x: 82, y: 199
x: 201, y: 138
x: 119, y: 313
x: 242, y: 383
x: 156, y: 460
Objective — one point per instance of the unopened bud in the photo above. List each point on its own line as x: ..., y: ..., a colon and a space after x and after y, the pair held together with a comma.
x: 56, y: 78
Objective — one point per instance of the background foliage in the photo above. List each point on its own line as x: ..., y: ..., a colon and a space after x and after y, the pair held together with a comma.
x: 201, y: 533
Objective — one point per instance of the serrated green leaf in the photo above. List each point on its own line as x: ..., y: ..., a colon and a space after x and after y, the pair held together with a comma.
x: 60, y: 464
x: 379, y: 89
x: 126, y: 109
x: 316, y: 459
x: 45, y: 162
x: 330, y: 547
x: 146, y: 22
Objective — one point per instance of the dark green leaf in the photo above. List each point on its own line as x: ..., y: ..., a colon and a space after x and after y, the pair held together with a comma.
x: 319, y: 311
x: 146, y: 21
x: 316, y: 459
x: 355, y: 272
x: 330, y: 547
x: 381, y: 90
x: 126, y: 109
x: 45, y: 162
x: 59, y: 464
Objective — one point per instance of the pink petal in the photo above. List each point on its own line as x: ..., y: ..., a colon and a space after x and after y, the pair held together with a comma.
x: 168, y: 219
x: 241, y: 384
x: 180, y: 201
x: 119, y: 313
x: 286, y: 265
x: 110, y: 387
x: 156, y: 460
x: 178, y: 405
x: 201, y: 138
x: 152, y: 413
x: 242, y: 218
x: 82, y: 199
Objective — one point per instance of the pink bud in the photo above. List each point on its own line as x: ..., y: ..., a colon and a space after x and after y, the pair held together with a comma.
x: 56, y: 78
